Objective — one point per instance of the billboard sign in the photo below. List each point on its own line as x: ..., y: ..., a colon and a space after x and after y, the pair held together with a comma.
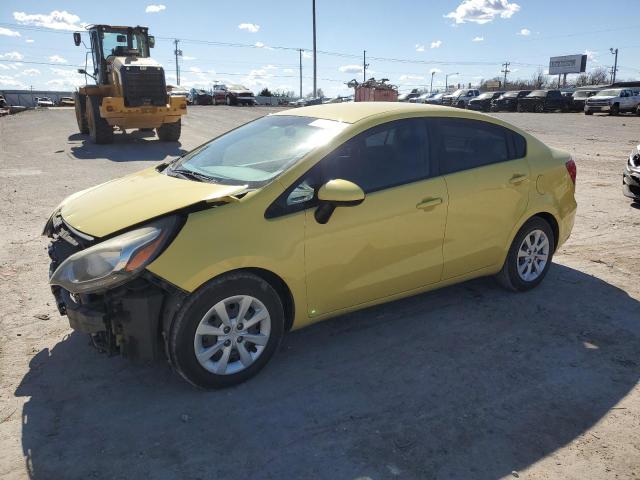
x: 567, y: 64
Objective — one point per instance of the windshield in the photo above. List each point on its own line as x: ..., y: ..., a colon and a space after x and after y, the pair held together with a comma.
x: 608, y: 93
x: 257, y: 152
x: 538, y: 93
x: 582, y: 94
x: 485, y: 96
x: 458, y: 92
x: 510, y: 95
x: 119, y: 43
x: 235, y: 86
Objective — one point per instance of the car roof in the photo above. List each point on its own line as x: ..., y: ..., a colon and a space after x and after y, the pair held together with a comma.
x: 353, y: 112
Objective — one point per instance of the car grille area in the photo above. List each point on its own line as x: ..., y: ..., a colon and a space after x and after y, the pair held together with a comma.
x: 143, y: 86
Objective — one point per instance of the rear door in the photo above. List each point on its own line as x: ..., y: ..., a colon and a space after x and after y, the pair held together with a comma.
x: 488, y: 181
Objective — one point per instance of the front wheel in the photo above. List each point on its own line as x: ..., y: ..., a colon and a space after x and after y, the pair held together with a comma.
x: 588, y: 112
x: 170, y: 132
x: 228, y: 101
x: 80, y: 104
x: 539, y: 108
x: 227, y: 331
x: 99, y: 129
x: 615, y: 110
x: 529, y: 256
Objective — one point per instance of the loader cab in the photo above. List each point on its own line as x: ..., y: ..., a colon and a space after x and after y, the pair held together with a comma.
x: 109, y: 41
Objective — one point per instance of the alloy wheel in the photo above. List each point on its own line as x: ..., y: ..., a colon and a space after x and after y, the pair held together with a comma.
x: 232, y: 335
x: 533, y: 255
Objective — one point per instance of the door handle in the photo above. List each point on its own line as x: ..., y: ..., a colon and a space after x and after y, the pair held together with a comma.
x: 429, y: 203
x: 518, y: 178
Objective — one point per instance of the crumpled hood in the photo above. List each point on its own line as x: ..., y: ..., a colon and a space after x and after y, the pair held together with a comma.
x: 120, y: 203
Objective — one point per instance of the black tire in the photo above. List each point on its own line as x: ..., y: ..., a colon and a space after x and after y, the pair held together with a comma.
x: 99, y: 130
x: 539, y: 108
x: 520, y: 108
x: 170, y: 132
x: 461, y: 104
x: 182, y: 333
x: 228, y: 100
x: 81, y: 112
x: 508, y: 277
x: 588, y: 112
x: 615, y: 110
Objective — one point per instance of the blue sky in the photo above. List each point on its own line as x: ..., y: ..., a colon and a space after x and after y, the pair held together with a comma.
x: 405, y: 40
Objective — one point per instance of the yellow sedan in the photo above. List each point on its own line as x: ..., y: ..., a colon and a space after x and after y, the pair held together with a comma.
x: 301, y: 216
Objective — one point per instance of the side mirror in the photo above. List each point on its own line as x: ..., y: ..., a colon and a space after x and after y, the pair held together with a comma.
x: 82, y: 71
x: 77, y: 39
x: 337, y: 193
x: 152, y: 41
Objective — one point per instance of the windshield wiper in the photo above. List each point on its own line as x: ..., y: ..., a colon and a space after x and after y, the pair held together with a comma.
x: 191, y: 175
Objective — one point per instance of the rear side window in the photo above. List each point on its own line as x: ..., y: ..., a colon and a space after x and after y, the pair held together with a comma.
x: 465, y: 144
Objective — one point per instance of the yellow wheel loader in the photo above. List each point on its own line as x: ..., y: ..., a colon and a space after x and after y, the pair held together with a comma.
x: 129, y: 90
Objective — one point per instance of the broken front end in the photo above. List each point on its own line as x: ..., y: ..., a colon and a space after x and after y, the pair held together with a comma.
x: 101, y: 284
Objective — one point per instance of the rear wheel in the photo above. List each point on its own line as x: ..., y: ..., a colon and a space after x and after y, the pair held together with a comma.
x: 170, y: 132
x: 539, y: 108
x: 99, y: 130
x: 227, y: 331
x: 529, y: 256
x: 81, y: 112
x: 520, y: 108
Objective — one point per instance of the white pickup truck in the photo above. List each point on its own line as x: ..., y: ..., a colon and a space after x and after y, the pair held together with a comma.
x: 613, y: 101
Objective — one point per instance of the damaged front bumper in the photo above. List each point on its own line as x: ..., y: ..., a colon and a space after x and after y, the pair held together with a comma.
x: 631, y: 184
x: 129, y: 319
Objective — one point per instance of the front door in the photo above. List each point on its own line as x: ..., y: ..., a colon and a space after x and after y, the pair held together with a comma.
x: 392, y: 242
x: 488, y: 182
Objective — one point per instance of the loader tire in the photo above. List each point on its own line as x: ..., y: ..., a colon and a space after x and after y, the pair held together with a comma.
x: 99, y: 130
x: 170, y: 132
x: 80, y: 102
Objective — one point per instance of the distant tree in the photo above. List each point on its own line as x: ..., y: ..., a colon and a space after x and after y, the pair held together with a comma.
x: 598, y: 76
x: 265, y: 92
x: 320, y: 93
x: 538, y: 79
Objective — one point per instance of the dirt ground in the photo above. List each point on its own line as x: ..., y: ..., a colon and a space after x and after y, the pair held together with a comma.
x: 469, y: 382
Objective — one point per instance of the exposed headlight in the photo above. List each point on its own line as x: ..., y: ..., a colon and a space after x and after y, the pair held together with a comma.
x: 114, y: 261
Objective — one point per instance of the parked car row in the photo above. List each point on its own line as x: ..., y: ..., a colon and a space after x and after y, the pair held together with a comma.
x: 233, y: 94
x: 611, y: 100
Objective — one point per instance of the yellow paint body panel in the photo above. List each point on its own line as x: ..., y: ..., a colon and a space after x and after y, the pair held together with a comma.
x: 398, y: 242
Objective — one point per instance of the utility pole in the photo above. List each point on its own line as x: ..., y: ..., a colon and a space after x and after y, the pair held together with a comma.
x: 505, y: 70
x: 364, y: 66
x: 431, y: 86
x: 300, y: 50
x: 615, y: 64
x: 315, y: 74
x: 446, y: 80
x: 178, y: 53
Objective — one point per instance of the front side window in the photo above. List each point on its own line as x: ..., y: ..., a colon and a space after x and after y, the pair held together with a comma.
x: 466, y: 144
x: 385, y: 156
x: 257, y: 152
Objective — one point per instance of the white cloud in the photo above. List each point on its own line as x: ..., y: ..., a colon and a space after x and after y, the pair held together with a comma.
x: 154, y: 8
x: 12, y: 56
x: 306, y: 54
x: 57, y: 59
x: 65, y: 79
x: 351, y: 68
x: 258, y: 44
x: 525, y: 32
x: 435, y: 70
x: 478, y: 39
x: 249, y: 27
x: 482, y: 11
x: 436, y: 44
x: 11, y: 82
x: 591, y: 55
x: 188, y: 58
x: 29, y: 40
x: 419, y: 47
x: 195, y: 70
x: 410, y: 77
x: 4, y: 67
x: 56, y: 20
x: 31, y: 72
x: 9, y: 33
x: 288, y: 70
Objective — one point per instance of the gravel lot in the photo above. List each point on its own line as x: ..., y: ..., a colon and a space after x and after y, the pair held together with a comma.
x: 469, y: 382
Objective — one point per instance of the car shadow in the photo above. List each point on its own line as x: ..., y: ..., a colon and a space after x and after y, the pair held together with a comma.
x: 635, y: 205
x: 133, y: 146
x: 465, y: 382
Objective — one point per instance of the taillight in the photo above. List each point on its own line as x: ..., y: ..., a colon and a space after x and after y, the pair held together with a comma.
x: 571, y: 168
